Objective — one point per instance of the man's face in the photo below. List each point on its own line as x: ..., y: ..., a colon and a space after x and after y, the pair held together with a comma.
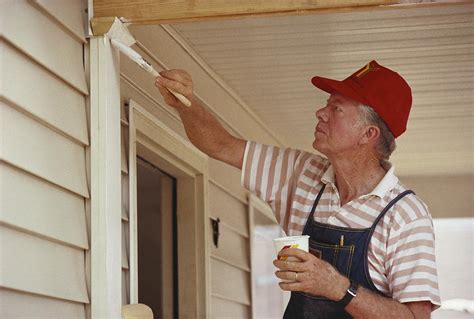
x: 339, y: 127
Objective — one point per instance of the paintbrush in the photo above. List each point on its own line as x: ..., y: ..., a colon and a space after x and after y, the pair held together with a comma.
x: 121, y: 39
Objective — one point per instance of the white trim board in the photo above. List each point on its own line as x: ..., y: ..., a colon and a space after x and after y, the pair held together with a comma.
x: 159, y: 145
x: 106, y: 192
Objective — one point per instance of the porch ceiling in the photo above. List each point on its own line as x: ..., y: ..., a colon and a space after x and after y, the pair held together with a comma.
x: 269, y: 62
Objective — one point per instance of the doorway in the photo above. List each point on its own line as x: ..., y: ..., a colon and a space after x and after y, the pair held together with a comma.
x: 168, y: 156
x: 157, y: 240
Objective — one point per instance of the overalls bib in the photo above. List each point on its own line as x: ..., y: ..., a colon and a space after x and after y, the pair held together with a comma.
x: 346, y: 249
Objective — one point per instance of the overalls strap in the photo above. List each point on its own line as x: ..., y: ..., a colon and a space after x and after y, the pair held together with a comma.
x: 389, y: 205
x: 379, y: 217
x: 316, y: 201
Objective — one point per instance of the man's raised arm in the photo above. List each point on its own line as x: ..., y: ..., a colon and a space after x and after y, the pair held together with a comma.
x: 202, y: 128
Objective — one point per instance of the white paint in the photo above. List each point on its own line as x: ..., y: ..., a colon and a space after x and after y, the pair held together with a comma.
x: 105, y: 181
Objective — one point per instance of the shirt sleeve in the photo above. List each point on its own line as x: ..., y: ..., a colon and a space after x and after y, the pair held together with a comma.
x: 412, y: 266
x: 271, y: 173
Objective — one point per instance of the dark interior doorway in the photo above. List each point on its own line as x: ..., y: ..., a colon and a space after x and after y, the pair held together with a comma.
x: 157, y: 240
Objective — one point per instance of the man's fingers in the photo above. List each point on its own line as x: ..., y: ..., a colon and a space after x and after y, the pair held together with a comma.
x: 177, y: 75
x: 166, y: 93
x: 289, y: 265
x: 169, y: 98
x: 287, y: 275
x: 291, y: 286
x: 295, y: 252
x: 177, y: 81
x: 176, y: 86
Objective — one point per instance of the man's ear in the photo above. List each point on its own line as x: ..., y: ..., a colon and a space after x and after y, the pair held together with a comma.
x: 371, y: 134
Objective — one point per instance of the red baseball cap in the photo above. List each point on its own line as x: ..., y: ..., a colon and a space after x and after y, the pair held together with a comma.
x: 378, y: 87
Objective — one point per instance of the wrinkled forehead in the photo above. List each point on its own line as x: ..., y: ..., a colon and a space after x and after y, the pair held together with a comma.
x: 341, y: 99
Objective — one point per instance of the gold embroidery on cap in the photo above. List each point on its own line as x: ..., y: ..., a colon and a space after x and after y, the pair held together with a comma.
x: 366, y: 69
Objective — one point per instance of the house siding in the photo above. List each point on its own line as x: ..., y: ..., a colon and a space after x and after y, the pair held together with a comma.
x: 125, y: 214
x: 43, y: 167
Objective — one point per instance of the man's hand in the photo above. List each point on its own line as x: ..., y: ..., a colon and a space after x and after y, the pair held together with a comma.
x: 313, y: 275
x: 202, y: 128
x: 177, y: 80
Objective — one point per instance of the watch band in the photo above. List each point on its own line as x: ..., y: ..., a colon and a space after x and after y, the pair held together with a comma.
x: 350, y: 293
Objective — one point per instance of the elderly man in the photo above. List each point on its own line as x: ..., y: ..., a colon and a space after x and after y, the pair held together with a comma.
x: 371, y: 239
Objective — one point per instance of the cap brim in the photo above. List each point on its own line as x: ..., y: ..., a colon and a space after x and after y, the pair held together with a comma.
x: 337, y: 87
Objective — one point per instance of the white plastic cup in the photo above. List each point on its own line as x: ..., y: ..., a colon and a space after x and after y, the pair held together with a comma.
x: 300, y: 242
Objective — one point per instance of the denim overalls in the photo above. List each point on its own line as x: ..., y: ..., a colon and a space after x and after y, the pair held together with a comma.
x: 346, y: 249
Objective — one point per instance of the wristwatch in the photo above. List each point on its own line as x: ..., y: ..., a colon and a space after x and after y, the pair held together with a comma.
x: 350, y: 293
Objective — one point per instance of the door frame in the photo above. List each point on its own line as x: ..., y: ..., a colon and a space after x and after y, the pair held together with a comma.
x: 153, y: 140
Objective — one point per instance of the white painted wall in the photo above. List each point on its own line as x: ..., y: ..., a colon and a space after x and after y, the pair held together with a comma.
x: 455, y: 258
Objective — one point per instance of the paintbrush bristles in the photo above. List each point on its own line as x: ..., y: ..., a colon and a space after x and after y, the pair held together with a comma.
x: 119, y: 32
x: 121, y: 39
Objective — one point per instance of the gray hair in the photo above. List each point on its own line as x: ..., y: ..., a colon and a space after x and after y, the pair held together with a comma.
x: 386, y: 142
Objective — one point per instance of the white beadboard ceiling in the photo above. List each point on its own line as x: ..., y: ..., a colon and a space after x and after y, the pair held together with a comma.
x: 269, y: 62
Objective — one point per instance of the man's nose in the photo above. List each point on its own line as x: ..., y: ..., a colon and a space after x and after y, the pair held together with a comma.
x: 321, y: 114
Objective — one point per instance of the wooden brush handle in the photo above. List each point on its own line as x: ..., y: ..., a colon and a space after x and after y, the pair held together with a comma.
x: 179, y: 96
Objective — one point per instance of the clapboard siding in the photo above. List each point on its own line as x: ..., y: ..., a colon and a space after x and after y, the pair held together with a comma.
x: 125, y: 197
x: 125, y: 211
x: 14, y: 304
x: 230, y: 282
x: 123, y: 112
x: 228, y: 177
x: 66, y: 13
x: 44, y: 233
x: 123, y: 151
x: 125, y: 245
x: 41, y: 38
x: 26, y: 204
x: 221, y: 308
x: 40, y: 266
x: 230, y: 261
x: 37, y: 149
x: 233, y: 248
x: 125, y: 287
x: 228, y: 209
x: 49, y: 99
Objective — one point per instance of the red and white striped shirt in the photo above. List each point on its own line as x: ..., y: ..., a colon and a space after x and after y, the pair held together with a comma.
x: 401, y: 253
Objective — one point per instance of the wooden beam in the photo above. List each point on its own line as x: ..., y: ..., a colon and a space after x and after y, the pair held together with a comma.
x: 159, y: 12
x: 101, y: 26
